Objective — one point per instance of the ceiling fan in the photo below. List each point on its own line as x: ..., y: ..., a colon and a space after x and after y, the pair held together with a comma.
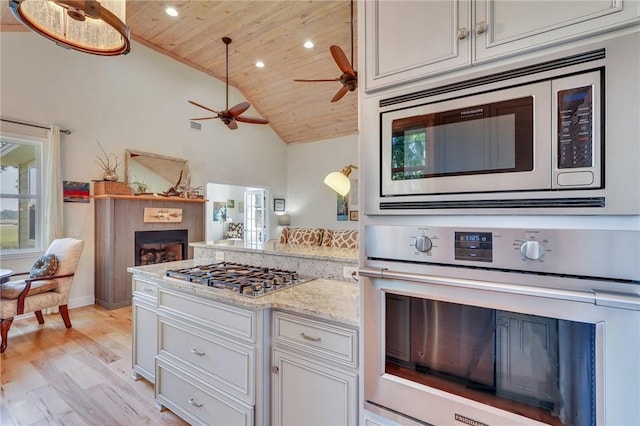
x: 349, y: 77
x: 230, y: 116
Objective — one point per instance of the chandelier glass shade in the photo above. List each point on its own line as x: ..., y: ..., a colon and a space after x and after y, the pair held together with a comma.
x: 85, y: 25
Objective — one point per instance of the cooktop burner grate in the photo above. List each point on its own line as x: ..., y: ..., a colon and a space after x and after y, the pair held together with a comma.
x: 247, y: 280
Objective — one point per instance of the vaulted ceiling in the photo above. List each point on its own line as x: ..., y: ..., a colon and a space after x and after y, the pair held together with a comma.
x: 270, y: 31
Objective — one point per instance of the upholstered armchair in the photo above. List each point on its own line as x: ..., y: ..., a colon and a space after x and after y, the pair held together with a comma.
x: 47, y: 285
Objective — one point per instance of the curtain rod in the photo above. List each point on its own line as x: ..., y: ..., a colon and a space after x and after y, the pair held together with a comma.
x: 65, y: 131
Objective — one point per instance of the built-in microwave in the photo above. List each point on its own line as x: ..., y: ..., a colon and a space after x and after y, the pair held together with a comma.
x: 556, y: 134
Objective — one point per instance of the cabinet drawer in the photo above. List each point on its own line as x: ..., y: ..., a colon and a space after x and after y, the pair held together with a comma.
x: 322, y: 339
x: 236, y: 322
x: 196, y: 402
x: 145, y: 288
x: 226, y: 364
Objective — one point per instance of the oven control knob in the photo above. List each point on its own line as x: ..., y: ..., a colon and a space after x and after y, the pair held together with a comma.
x: 423, y: 243
x: 532, y: 250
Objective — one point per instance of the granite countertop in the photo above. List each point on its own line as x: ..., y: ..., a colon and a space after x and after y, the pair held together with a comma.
x: 326, y: 299
x: 290, y: 250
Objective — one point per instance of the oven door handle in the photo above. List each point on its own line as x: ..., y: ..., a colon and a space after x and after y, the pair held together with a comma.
x: 552, y: 293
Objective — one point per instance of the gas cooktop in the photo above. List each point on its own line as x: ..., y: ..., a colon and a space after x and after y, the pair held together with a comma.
x: 247, y: 280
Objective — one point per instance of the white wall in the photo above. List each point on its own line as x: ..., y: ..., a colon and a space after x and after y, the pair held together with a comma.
x: 309, y: 201
x: 136, y: 101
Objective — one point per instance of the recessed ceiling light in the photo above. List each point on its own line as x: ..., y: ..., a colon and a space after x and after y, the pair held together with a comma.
x: 308, y: 44
x: 260, y: 64
x: 171, y: 11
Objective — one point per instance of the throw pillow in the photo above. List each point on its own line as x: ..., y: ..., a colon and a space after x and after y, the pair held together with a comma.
x: 44, y: 266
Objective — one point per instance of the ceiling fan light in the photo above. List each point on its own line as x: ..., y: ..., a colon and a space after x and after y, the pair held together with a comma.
x: 101, y: 32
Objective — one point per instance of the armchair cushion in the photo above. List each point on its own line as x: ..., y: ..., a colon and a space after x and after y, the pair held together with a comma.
x: 12, y: 289
x: 44, y: 266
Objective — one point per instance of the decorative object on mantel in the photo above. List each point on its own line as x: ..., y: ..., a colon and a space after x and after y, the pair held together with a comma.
x: 105, y: 187
x: 339, y: 181
x: 109, y: 169
x: 153, y: 215
x: 65, y: 23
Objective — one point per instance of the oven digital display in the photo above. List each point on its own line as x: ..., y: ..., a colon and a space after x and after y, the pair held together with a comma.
x: 474, y: 246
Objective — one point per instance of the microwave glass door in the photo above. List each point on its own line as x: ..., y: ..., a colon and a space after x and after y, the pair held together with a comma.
x: 497, y: 141
x: 491, y: 138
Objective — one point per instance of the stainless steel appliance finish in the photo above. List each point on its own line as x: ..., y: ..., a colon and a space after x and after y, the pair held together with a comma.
x: 247, y: 280
x: 554, y: 135
x: 574, y: 296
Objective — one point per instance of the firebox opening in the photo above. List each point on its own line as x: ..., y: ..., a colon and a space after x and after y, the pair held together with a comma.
x: 153, y: 247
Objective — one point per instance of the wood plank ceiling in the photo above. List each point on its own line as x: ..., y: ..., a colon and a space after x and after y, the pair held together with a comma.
x: 269, y: 31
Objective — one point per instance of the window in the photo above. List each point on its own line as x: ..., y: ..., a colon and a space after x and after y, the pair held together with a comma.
x: 21, y: 203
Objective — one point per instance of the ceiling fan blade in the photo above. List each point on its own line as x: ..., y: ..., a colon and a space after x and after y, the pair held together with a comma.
x: 236, y: 110
x: 253, y: 120
x: 232, y: 125
x: 202, y: 118
x: 343, y: 90
x: 307, y: 81
x: 203, y: 107
x: 341, y: 60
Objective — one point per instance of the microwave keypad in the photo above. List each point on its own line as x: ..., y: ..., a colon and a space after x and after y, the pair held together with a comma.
x: 575, y: 128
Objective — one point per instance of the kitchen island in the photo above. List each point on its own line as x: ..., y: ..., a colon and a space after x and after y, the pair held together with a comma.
x: 220, y: 357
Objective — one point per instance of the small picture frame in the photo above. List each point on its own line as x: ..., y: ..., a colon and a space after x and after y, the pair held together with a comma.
x: 353, y: 215
x: 231, y: 204
x: 278, y: 204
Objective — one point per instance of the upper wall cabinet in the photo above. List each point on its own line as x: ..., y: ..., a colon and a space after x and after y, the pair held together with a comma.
x: 409, y: 40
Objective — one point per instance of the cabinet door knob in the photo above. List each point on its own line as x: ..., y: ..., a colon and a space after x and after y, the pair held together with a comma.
x: 462, y: 33
x: 195, y: 403
x: 481, y: 27
x: 313, y: 339
x: 275, y: 369
x: 197, y: 352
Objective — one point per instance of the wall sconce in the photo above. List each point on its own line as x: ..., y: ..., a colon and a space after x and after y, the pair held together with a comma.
x: 284, y: 220
x: 84, y: 25
x: 339, y: 181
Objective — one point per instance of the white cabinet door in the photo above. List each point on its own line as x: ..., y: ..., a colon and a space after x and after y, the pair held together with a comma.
x: 145, y: 338
x: 310, y: 393
x: 406, y: 40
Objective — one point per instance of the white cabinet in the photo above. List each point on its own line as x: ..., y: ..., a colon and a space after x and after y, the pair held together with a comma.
x: 408, y: 40
x: 145, y: 340
x: 505, y: 27
x: 207, y: 368
x: 315, y: 377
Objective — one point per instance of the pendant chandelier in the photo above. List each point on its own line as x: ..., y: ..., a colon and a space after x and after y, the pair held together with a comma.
x: 85, y: 25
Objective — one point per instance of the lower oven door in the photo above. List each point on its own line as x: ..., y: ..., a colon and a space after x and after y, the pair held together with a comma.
x: 447, y: 351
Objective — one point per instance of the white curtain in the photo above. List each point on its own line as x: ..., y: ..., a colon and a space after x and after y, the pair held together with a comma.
x: 53, y: 223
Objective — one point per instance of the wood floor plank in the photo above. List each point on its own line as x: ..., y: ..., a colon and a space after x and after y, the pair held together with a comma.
x: 51, y: 375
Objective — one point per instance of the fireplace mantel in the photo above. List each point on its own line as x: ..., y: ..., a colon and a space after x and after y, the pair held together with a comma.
x: 150, y: 198
x: 117, y: 218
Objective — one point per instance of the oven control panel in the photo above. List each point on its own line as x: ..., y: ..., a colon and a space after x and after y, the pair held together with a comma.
x: 594, y: 253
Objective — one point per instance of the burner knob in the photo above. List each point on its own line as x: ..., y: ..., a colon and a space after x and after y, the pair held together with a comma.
x: 423, y: 244
x: 532, y: 250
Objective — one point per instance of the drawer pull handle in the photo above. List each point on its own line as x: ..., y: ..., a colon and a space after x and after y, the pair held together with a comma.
x: 313, y: 339
x: 148, y: 289
x: 197, y: 352
x: 194, y: 403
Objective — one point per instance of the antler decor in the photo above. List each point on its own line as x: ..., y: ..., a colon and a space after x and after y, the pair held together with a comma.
x: 109, y: 169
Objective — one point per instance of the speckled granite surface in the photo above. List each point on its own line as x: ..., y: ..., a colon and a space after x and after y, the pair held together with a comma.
x: 325, y: 299
x: 312, y: 261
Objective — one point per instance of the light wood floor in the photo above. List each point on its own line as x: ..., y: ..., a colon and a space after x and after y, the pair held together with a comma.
x: 80, y: 376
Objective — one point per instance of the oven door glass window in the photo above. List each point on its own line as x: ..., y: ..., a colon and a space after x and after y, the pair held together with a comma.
x: 482, y: 139
x: 542, y: 368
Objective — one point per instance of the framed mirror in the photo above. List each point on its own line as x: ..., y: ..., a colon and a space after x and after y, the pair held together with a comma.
x: 146, y: 172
